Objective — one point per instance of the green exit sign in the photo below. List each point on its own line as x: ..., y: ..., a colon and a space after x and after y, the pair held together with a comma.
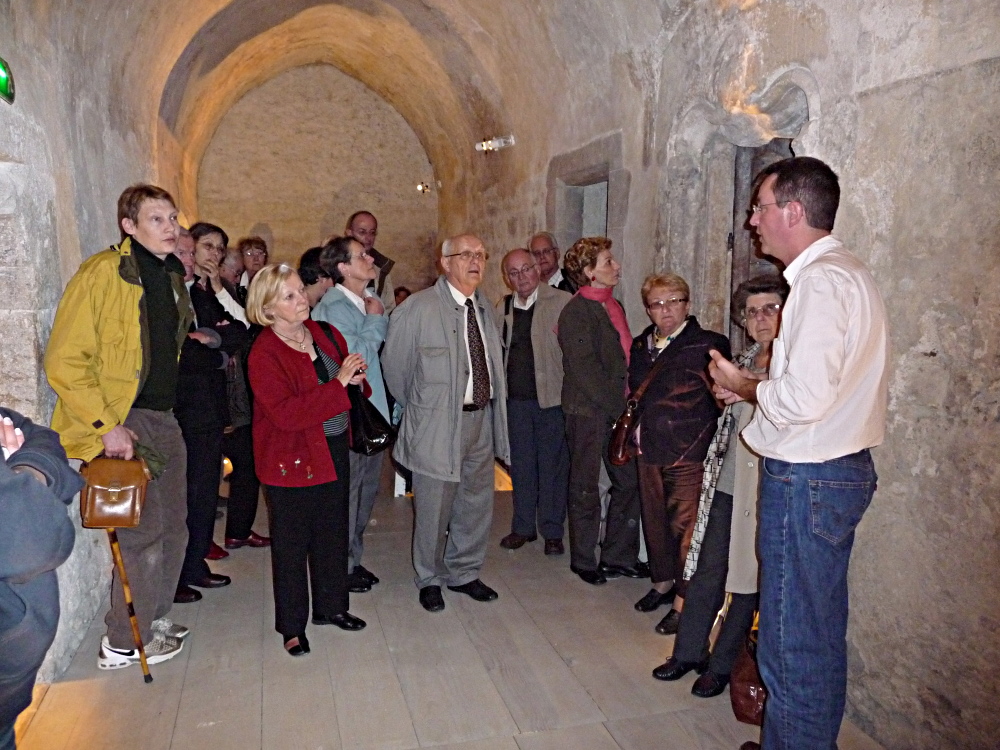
x: 6, y: 82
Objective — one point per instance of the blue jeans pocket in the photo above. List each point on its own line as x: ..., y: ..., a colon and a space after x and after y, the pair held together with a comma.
x: 837, y: 507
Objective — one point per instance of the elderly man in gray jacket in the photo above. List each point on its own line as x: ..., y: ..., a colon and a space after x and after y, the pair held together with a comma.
x: 442, y: 362
x: 539, y: 463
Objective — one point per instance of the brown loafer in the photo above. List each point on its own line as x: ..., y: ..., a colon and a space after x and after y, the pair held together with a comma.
x: 554, y: 547
x: 215, y: 552
x: 254, y: 540
x: 515, y: 541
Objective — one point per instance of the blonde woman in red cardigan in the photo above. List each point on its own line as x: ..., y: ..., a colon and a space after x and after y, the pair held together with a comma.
x: 299, y: 375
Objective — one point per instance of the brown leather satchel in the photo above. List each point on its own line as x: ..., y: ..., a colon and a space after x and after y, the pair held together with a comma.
x: 114, y: 493
x: 746, y: 690
x: 620, y: 447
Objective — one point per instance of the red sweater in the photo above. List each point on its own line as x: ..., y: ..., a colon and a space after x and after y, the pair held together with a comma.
x: 290, y: 407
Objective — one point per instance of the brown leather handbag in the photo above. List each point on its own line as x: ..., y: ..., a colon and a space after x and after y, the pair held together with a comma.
x: 746, y: 689
x: 620, y: 446
x: 114, y: 493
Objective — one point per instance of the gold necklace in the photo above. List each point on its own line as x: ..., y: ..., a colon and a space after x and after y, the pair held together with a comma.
x: 301, y: 344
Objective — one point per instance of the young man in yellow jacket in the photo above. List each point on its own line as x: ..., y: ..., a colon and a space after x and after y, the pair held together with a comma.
x: 112, y: 361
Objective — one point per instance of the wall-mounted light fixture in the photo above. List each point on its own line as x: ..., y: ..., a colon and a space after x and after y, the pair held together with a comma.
x: 423, y: 187
x: 6, y: 82
x: 495, y: 144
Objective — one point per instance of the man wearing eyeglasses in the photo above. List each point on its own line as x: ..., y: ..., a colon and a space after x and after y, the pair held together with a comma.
x: 545, y: 251
x: 443, y: 363
x: 818, y: 415
x: 363, y: 226
x: 539, y: 458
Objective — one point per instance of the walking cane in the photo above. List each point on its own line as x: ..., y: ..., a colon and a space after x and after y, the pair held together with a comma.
x: 120, y: 564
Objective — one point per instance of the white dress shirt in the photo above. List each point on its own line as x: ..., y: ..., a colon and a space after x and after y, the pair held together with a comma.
x: 526, y: 305
x: 827, y: 394
x: 460, y: 299
x: 358, y: 301
x: 556, y: 278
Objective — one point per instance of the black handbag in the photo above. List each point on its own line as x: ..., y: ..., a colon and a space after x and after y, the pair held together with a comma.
x: 371, y: 433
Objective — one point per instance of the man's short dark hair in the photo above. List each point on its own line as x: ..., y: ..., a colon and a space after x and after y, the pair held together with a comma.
x: 310, y: 271
x: 356, y: 214
x: 809, y: 181
x: 202, y: 228
x: 335, y: 252
x: 769, y: 284
x: 132, y: 198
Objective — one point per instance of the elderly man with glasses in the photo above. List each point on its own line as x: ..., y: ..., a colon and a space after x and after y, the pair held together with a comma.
x: 443, y: 363
x: 545, y: 251
x: 533, y: 366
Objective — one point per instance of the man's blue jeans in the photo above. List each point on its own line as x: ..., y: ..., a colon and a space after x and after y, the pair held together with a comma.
x: 808, y: 513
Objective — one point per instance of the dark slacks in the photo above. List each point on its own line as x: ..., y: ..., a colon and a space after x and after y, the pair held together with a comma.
x: 539, y: 468
x: 244, y: 487
x: 705, y: 594
x: 204, y: 452
x: 669, y: 509
x: 309, y: 540
x: 588, y: 440
x: 154, y: 550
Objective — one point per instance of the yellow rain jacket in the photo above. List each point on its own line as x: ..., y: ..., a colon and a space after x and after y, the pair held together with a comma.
x: 97, y: 356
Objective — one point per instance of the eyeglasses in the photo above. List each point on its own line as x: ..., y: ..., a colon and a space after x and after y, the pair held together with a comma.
x: 543, y: 252
x: 255, y: 253
x: 364, y: 254
x: 515, y: 273
x: 758, y: 208
x: 468, y: 256
x: 768, y: 311
x: 212, y: 246
x: 661, y: 304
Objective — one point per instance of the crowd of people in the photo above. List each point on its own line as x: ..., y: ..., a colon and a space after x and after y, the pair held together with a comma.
x: 174, y: 343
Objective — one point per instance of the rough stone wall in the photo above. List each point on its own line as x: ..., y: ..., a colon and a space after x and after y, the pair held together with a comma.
x: 295, y: 157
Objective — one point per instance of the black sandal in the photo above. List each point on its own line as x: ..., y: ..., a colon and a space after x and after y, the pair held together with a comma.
x: 297, y: 645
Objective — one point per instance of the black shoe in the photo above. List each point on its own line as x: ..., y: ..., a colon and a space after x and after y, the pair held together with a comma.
x: 614, y: 571
x: 186, y: 595
x: 357, y: 584
x: 593, y: 577
x: 654, y: 599
x: 344, y: 621
x: 643, y: 568
x: 299, y: 647
x: 431, y: 599
x: 363, y: 572
x: 212, y: 581
x: 477, y: 590
x: 673, y: 669
x: 710, y: 684
x: 554, y: 547
x: 668, y: 625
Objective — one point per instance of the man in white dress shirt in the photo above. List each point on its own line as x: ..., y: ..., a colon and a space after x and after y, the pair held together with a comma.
x: 822, y: 408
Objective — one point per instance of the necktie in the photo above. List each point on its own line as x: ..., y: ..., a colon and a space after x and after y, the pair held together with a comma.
x: 477, y: 352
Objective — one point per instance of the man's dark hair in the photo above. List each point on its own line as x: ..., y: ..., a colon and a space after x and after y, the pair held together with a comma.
x: 356, y: 214
x: 310, y: 271
x: 202, y: 228
x: 335, y: 252
x: 769, y: 284
x: 809, y: 181
x: 132, y: 198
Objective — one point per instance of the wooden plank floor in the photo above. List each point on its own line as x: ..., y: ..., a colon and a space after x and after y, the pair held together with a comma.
x: 554, y: 663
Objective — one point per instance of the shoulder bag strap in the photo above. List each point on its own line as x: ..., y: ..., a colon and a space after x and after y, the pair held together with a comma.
x: 328, y: 330
x: 637, y: 394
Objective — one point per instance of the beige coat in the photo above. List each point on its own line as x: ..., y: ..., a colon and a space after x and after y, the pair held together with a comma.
x: 743, y: 537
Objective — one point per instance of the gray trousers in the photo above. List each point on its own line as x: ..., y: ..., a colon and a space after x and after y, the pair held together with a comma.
x: 366, y: 473
x: 452, y: 520
x: 154, y: 550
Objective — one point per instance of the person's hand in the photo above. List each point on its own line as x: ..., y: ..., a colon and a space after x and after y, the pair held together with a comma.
x: 11, y: 438
x: 352, y: 370
x: 374, y: 306
x: 730, y: 383
x: 202, y: 337
x: 118, y: 442
x: 210, y: 270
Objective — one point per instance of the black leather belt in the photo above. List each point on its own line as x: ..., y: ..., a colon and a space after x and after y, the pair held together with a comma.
x: 471, y: 407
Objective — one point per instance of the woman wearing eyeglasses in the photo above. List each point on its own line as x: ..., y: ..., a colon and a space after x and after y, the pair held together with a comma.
x: 723, y: 557
x: 677, y: 419
x: 595, y: 339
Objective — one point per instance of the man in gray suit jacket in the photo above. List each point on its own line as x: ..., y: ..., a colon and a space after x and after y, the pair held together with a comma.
x: 442, y: 362
x: 533, y: 366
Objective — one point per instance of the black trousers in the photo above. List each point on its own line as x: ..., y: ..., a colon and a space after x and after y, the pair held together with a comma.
x: 309, y: 543
x: 244, y: 487
x: 705, y: 594
x: 588, y: 440
x: 204, y: 451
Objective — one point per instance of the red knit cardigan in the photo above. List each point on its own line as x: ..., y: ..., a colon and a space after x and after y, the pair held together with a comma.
x: 290, y: 407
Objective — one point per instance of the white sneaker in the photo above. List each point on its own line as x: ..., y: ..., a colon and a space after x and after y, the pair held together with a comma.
x: 170, y: 629
x: 159, y: 649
